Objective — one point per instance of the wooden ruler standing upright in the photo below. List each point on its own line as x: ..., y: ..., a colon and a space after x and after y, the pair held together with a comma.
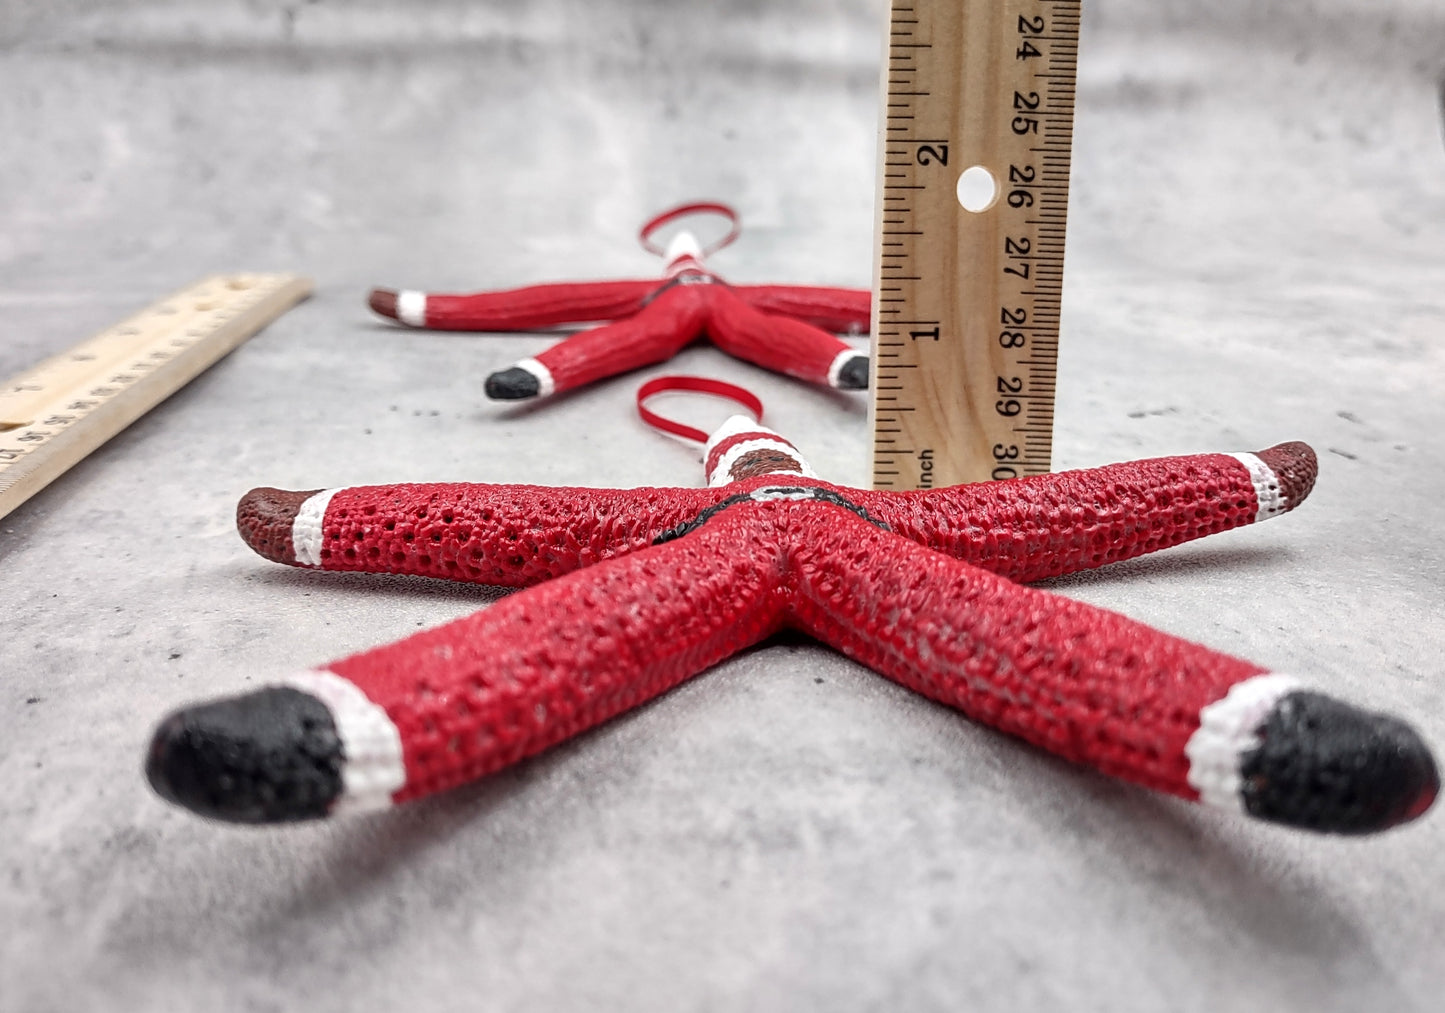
x: 54, y: 414
x: 973, y: 194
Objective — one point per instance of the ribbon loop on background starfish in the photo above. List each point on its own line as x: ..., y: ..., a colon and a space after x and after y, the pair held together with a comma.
x: 671, y: 215
x: 784, y: 328
x: 918, y: 586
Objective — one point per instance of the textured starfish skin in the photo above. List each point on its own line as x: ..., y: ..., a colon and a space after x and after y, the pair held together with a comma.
x: 785, y: 328
x: 634, y: 629
x: 1025, y: 529
x: 637, y: 590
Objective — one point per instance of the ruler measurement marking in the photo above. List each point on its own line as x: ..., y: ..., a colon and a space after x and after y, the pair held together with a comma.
x: 62, y: 409
x: 979, y: 83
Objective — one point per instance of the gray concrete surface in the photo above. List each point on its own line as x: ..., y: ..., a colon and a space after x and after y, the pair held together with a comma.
x: 1255, y: 255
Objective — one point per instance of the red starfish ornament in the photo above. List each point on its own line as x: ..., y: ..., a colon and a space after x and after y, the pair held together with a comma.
x: 633, y: 591
x: 779, y: 327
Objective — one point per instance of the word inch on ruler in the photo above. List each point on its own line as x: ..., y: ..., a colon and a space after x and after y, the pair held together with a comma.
x: 56, y: 413
x: 976, y: 133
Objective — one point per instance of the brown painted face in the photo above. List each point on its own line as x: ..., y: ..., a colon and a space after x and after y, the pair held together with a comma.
x: 763, y: 462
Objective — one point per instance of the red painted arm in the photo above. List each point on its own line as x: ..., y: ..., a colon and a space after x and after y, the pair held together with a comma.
x: 539, y: 667
x: 1089, y: 685
x: 779, y: 343
x: 658, y: 332
x: 522, y: 309
x: 506, y: 535
x: 1031, y: 528
x: 840, y: 310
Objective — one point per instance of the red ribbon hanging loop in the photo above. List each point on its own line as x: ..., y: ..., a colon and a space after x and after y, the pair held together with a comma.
x: 683, y: 211
x: 698, y: 385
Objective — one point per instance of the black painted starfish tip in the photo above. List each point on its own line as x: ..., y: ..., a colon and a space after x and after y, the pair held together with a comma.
x: 515, y: 384
x: 266, y: 757
x: 854, y: 374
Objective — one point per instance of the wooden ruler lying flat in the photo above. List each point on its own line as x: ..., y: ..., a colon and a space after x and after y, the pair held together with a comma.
x: 58, y: 412
x: 972, y: 202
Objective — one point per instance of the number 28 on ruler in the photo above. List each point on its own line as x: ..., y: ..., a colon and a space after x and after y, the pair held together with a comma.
x: 973, y: 200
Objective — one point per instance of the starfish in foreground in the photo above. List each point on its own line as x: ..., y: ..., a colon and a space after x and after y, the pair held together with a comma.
x: 784, y: 328
x: 630, y: 592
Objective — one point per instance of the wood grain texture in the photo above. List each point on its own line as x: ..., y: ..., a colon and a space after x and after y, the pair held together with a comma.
x: 55, y: 414
x: 966, y: 319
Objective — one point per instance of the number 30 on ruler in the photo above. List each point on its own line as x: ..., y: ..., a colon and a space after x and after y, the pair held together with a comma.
x: 972, y: 204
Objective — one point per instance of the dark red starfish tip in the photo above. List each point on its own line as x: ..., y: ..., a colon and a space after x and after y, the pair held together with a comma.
x: 266, y: 517
x: 1296, y: 467
x: 383, y: 301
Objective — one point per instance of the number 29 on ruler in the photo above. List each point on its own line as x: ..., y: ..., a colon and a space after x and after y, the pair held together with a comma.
x: 973, y: 192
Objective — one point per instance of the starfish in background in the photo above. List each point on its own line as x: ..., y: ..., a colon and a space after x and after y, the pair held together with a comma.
x: 630, y: 592
x: 784, y: 328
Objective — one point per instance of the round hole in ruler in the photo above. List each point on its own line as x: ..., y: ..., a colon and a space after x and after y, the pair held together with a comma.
x: 977, y: 189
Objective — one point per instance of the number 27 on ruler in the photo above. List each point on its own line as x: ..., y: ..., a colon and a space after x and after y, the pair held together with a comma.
x: 976, y: 133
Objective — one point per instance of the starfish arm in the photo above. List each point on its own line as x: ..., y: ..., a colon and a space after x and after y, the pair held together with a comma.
x: 516, y: 309
x: 654, y: 334
x: 1099, y: 689
x: 1031, y: 528
x: 840, y: 310
x: 460, y: 701
x: 783, y: 344
x: 504, y: 535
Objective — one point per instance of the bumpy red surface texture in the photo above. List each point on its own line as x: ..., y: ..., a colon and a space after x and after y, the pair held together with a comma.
x: 514, y: 535
x: 1094, y: 687
x: 1033, y: 528
x: 507, y: 535
x: 1090, y: 685
x: 904, y: 586
x: 532, y: 670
